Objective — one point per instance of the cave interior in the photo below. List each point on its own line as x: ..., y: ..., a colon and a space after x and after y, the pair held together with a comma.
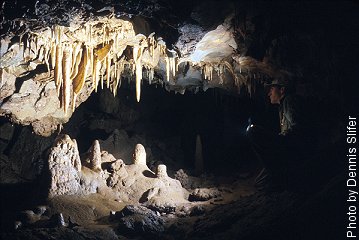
x: 129, y: 120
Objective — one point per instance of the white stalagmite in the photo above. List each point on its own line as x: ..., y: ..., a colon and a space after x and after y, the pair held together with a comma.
x: 95, y: 156
x: 161, y: 171
x: 139, y: 156
x: 66, y: 74
x: 76, y: 161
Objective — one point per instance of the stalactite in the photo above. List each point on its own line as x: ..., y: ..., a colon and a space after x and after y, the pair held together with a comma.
x: 53, y: 54
x: 46, y: 58
x: 58, y: 68
x: 108, y: 70
x: 79, y: 79
x: 76, y: 56
x: 95, y: 50
x: 66, y: 73
x: 137, y: 55
x: 173, y: 66
x: 207, y: 70
x: 167, y: 69
x: 103, y: 64
x: 138, y: 79
x: 119, y: 70
x: 95, y: 72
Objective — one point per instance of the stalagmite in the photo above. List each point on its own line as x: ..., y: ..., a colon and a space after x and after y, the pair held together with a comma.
x: 76, y: 161
x: 161, y: 171
x: 95, y: 156
x: 139, y: 156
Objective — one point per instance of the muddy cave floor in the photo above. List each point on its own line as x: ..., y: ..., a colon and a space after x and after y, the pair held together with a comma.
x: 238, y: 210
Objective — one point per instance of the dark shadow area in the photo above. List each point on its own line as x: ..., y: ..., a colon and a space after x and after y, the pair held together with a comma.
x: 148, y: 174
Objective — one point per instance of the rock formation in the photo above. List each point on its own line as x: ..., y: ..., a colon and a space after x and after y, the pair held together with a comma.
x: 139, y: 156
x: 95, y: 156
x: 64, y: 162
x: 161, y: 171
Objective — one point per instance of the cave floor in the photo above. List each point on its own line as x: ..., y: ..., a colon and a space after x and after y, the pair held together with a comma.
x: 89, y: 216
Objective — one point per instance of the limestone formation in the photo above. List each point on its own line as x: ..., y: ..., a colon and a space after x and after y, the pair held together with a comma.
x: 95, y: 156
x: 76, y: 161
x: 63, y: 167
x: 161, y: 171
x: 139, y: 156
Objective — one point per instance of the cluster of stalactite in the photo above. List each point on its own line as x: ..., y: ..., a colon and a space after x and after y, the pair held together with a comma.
x: 95, y: 50
x: 245, y: 71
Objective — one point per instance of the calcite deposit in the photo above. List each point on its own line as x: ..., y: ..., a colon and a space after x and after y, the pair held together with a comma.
x: 64, y: 162
x: 131, y: 183
x: 95, y: 156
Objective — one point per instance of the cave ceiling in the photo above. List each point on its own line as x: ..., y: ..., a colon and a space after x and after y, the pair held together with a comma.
x: 54, y: 54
